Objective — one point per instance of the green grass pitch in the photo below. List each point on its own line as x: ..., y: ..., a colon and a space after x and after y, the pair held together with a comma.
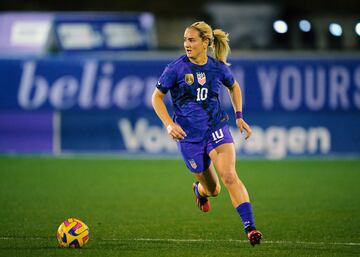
x: 146, y: 208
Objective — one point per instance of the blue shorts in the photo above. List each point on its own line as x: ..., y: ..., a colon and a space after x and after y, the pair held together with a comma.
x: 196, y: 155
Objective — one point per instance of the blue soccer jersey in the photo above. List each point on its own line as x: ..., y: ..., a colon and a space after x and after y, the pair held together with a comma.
x: 195, y: 93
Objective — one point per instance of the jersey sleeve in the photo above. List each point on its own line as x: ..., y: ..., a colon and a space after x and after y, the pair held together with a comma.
x: 228, y: 78
x: 167, y: 80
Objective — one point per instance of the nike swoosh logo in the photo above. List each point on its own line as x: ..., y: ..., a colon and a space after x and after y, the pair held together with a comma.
x: 217, y: 141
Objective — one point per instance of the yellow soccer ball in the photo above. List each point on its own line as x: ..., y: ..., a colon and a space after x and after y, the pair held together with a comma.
x: 72, y: 233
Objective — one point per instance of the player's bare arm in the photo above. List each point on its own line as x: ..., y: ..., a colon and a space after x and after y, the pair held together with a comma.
x: 236, y: 100
x: 173, y: 129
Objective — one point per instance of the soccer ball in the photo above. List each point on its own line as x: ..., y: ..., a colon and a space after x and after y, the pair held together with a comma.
x: 72, y: 233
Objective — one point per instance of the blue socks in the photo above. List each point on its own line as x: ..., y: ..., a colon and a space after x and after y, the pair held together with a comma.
x: 246, y: 214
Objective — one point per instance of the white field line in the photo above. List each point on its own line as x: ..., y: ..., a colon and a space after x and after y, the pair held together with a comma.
x: 232, y: 240
x: 174, y: 240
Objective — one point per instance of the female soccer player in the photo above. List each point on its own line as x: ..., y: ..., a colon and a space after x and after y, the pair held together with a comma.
x: 200, y: 125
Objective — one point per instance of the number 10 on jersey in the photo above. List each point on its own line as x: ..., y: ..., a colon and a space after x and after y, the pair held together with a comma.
x: 202, y: 93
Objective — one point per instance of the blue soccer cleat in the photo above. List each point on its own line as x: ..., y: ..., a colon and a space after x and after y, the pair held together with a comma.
x: 201, y: 201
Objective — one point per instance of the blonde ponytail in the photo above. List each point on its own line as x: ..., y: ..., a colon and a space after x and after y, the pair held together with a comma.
x: 220, y: 46
x: 218, y: 40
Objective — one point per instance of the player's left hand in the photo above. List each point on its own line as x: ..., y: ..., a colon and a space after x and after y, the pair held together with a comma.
x: 243, y: 126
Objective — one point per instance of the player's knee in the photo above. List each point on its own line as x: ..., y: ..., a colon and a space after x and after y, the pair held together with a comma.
x: 230, y: 179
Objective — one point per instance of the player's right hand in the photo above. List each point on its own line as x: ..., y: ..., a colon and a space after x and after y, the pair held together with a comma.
x: 175, y: 131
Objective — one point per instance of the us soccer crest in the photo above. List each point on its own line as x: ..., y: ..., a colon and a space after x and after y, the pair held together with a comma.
x: 189, y: 78
x: 201, y: 78
x: 193, y: 164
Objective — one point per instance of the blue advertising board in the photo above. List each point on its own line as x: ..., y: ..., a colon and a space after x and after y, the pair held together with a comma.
x: 25, y: 32
x: 37, y: 33
x: 96, y: 31
x: 309, y: 86
x: 296, y: 107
